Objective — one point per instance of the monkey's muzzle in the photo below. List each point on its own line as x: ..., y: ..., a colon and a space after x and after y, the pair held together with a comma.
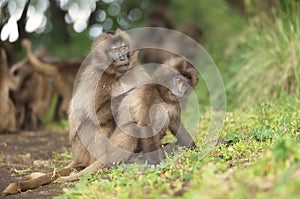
x: 121, y: 63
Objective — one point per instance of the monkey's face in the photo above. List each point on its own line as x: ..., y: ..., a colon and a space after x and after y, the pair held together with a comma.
x: 179, y: 86
x: 119, y: 55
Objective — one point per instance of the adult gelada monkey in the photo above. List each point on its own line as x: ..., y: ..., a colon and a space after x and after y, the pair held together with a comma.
x: 34, y: 93
x: 178, y: 88
x: 111, y: 59
x: 90, y: 110
x: 62, y: 72
x: 7, y: 108
x: 139, y: 114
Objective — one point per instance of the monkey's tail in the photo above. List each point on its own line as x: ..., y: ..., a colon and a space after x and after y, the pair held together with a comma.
x: 42, y: 67
x: 14, y: 188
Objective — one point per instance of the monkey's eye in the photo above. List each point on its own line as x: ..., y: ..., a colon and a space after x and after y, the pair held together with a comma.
x: 114, y: 50
x: 123, y: 48
x: 178, y: 80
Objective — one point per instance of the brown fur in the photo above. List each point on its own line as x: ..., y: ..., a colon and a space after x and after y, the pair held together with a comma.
x: 136, y: 106
x: 80, y: 118
x: 7, y: 108
x: 63, y: 74
x: 82, y: 107
x: 33, y: 95
x: 11, y: 56
x: 82, y: 103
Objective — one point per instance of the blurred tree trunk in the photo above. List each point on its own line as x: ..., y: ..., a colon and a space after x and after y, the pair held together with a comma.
x: 10, y: 52
x: 60, y: 31
x: 92, y: 19
x: 161, y: 3
x: 237, y: 6
x: 22, y: 22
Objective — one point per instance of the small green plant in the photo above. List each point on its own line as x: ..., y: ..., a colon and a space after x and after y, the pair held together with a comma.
x: 263, y: 133
x: 65, y: 157
x: 23, y: 171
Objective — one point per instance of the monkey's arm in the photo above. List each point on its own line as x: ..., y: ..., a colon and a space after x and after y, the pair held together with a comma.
x: 149, y: 127
x: 183, y: 137
x: 14, y: 188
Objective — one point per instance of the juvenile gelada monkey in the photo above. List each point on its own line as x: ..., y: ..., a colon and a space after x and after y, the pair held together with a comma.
x: 144, y: 114
x: 7, y: 108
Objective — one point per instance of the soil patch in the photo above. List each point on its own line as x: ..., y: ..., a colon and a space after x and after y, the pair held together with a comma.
x: 26, y: 152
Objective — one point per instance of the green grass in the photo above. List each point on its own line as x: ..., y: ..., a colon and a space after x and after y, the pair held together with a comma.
x: 258, y: 158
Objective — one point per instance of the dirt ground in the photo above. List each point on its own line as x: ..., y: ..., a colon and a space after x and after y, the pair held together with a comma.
x: 25, y: 152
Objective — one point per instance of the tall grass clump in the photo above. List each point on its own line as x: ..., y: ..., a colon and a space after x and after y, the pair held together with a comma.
x: 269, y: 58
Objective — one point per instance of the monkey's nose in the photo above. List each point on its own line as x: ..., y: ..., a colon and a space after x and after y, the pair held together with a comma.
x: 180, y: 93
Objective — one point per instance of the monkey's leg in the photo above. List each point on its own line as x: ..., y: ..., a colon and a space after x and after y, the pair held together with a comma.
x: 182, y: 135
x: 20, y: 117
x: 12, y: 124
x: 94, y: 167
x: 118, y: 138
x: 152, y: 157
x: 65, y: 106
x: 152, y: 150
x: 123, y: 140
